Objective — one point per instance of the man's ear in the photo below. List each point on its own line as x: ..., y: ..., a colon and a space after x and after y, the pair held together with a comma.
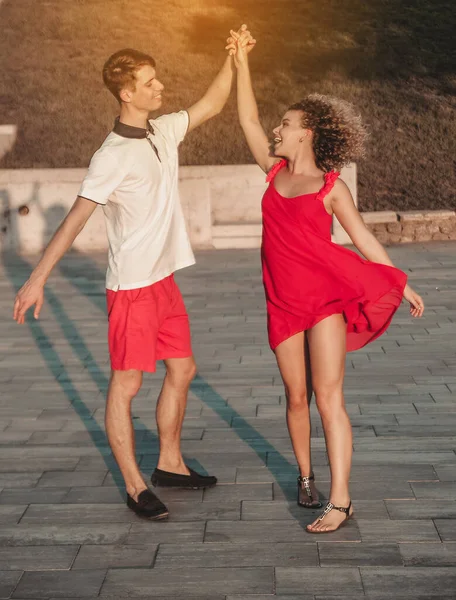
x: 125, y: 95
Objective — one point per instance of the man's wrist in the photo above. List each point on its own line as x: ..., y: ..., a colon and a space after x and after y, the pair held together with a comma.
x: 38, y: 278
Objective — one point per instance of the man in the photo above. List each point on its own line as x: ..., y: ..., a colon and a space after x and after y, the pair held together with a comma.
x: 134, y: 175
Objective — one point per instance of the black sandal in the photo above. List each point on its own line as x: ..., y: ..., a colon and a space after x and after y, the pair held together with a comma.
x: 328, y: 508
x: 304, y: 490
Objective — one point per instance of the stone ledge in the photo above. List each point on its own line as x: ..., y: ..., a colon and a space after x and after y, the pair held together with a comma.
x: 415, y: 226
x: 227, y: 230
x: 422, y: 226
x: 430, y: 215
x: 381, y: 216
x: 8, y: 134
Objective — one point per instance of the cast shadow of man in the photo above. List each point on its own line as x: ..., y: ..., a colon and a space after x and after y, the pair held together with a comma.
x: 17, y: 269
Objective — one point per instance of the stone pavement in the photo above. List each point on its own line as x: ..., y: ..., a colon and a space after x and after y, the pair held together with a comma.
x: 65, y: 531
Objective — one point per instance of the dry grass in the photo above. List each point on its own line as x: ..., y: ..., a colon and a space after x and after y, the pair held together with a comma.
x: 395, y: 59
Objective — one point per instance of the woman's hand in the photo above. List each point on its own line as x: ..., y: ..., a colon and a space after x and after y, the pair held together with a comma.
x: 416, y: 302
x: 240, y: 44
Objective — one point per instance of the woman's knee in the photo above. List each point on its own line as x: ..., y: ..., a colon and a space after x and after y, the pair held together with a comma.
x: 297, y: 398
x: 329, y: 400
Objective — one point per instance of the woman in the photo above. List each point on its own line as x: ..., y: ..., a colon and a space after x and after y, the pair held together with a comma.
x: 322, y: 299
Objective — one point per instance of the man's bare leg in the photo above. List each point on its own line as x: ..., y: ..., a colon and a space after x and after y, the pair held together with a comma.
x: 123, y: 387
x: 170, y: 413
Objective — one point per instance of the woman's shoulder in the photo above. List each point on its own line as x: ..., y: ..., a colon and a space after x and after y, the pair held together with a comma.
x: 275, y: 169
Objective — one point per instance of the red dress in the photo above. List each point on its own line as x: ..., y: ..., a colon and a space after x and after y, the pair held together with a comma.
x: 307, y: 277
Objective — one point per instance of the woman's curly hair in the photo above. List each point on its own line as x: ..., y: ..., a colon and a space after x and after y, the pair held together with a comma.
x: 338, y: 132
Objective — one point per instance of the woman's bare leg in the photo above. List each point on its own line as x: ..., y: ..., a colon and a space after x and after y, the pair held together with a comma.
x: 327, y: 344
x: 293, y: 361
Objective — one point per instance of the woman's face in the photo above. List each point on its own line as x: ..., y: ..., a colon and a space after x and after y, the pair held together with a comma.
x: 288, y: 135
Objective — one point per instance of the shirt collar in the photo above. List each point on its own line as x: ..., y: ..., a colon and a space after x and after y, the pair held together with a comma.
x: 128, y: 131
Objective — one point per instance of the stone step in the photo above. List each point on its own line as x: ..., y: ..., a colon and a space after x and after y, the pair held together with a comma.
x: 233, y: 230
x: 236, y: 235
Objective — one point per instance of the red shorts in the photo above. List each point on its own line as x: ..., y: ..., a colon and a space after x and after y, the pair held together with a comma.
x: 147, y: 324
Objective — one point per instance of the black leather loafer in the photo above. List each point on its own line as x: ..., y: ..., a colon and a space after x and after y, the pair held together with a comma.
x: 193, y: 481
x: 148, y: 505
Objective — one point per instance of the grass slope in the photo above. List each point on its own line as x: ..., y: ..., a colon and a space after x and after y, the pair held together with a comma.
x: 395, y: 59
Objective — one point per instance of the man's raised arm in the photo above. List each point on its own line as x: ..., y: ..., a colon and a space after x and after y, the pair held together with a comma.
x: 213, y: 101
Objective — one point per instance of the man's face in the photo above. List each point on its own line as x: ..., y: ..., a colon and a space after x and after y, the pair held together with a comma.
x: 147, y: 94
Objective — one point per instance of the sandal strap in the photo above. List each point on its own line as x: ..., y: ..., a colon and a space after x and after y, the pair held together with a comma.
x: 330, y: 506
x: 310, y: 477
x: 305, y: 483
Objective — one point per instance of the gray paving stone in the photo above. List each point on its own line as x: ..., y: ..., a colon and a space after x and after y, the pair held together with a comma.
x: 90, y: 463
x: 422, y: 509
x: 442, y: 491
x: 78, y: 513
x: 8, y: 582
x: 428, y: 555
x: 11, y: 514
x: 33, y: 495
x: 446, y: 472
x: 417, y: 431
x: 37, y: 464
x: 59, y: 584
x: 16, y: 480
x: 387, y: 458
x: 14, y: 437
x: 273, y: 531
x: 396, y: 472
x: 92, y: 495
x: 37, y: 558
x: 293, y: 580
x: 199, y: 597
x: 90, y: 556
x: 446, y: 529
x: 417, y: 582
x: 406, y: 444
x: 238, y: 492
x: 162, y: 582
x: 72, y: 479
x: 48, y: 535
x: 25, y: 452
x: 357, y: 555
x: 264, y: 475
x: 397, y: 531
x: 270, y: 597
x: 33, y: 424
x: 162, y: 533
x: 250, y: 554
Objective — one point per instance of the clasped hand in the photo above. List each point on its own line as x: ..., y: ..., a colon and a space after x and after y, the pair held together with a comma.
x: 240, y: 44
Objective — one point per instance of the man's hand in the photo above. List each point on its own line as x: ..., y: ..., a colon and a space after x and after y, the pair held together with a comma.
x: 30, y: 294
x: 240, y: 43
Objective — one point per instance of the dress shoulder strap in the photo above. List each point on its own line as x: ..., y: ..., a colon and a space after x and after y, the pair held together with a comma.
x: 330, y: 180
x: 275, y: 169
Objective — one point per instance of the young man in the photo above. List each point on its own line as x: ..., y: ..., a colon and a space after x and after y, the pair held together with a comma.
x: 134, y: 175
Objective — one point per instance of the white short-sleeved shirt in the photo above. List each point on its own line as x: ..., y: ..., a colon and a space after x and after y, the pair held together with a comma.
x: 134, y: 175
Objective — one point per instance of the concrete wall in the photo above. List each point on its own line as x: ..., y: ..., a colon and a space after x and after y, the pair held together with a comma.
x: 222, y: 206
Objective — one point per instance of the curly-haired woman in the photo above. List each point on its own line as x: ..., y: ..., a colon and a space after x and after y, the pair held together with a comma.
x: 322, y: 299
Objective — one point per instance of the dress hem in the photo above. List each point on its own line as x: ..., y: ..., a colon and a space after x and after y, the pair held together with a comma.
x: 374, y: 334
